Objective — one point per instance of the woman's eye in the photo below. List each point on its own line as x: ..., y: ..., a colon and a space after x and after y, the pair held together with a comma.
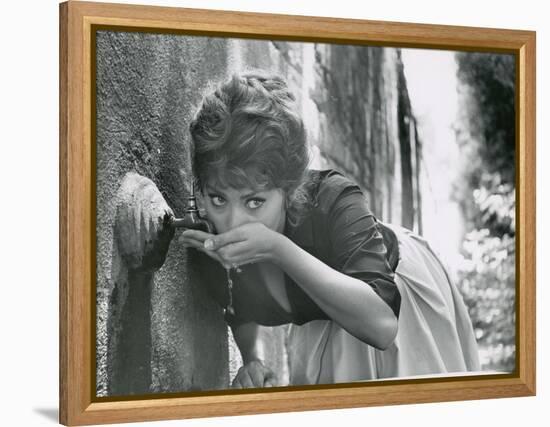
x: 217, y: 200
x: 255, y: 203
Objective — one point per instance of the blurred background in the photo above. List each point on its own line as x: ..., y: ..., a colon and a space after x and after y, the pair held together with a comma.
x: 429, y: 135
x: 485, y: 191
x: 464, y: 108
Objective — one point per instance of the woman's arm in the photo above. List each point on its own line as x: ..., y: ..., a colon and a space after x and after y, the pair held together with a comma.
x: 346, y: 300
x: 253, y: 373
x: 358, y: 250
x: 246, y: 337
x: 349, y: 301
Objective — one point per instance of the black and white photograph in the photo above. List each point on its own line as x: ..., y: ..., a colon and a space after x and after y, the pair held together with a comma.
x: 281, y: 213
x: 275, y: 213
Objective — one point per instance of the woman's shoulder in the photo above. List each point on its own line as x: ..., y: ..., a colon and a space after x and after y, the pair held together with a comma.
x: 330, y: 184
x: 322, y: 189
x: 340, y: 212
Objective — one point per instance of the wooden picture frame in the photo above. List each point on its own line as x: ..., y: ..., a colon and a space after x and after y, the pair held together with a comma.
x: 78, y: 404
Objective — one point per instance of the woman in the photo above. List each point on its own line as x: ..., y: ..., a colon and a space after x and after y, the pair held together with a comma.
x: 302, y: 247
x: 373, y: 299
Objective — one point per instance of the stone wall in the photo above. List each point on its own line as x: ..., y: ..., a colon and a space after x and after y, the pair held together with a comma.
x: 148, y: 87
x: 355, y: 104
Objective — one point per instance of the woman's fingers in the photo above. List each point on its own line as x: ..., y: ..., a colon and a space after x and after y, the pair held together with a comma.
x: 233, y: 251
x: 220, y: 240
x: 196, y: 239
x: 228, y: 253
x: 232, y: 247
x: 256, y: 373
x: 243, y: 380
x: 188, y: 241
x: 270, y: 379
x: 197, y: 244
x: 196, y: 235
x: 252, y: 374
x: 240, y: 256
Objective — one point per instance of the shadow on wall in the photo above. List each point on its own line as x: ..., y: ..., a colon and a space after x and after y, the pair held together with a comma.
x: 51, y: 414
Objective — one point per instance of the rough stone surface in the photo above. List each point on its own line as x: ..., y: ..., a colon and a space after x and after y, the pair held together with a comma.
x: 355, y: 106
x: 148, y: 87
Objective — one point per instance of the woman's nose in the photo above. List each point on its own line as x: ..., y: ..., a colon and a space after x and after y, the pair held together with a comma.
x: 237, y: 217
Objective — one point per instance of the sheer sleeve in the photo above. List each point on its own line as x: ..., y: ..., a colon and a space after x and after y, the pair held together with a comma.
x: 357, y: 246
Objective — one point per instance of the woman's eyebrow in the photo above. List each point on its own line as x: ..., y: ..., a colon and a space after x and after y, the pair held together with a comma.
x: 249, y: 195
x: 215, y: 191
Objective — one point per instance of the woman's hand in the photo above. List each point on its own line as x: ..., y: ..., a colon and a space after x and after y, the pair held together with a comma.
x: 246, y: 244
x: 195, y: 239
x: 254, y: 374
x: 142, y: 223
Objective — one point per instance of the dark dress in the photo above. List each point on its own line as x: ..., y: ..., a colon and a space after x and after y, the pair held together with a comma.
x: 435, y: 334
x: 339, y: 230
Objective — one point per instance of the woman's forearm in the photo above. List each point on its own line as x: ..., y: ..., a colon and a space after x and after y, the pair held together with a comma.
x: 350, y: 302
x: 246, y: 337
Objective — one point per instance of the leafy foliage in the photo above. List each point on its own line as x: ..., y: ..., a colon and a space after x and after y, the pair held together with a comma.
x: 487, y: 277
x: 491, y: 114
x: 486, y: 194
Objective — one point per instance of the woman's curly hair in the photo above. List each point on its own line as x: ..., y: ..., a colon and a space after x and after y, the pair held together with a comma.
x: 247, y: 133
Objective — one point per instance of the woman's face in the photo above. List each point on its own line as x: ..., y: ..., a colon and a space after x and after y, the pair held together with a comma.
x: 231, y: 207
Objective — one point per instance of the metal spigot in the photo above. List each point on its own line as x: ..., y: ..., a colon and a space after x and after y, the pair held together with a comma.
x: 192, y: 218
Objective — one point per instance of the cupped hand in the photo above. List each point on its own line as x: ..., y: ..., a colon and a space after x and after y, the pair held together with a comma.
x: 246, y: 244
x: 195, y: 239
x: 254, y: 374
